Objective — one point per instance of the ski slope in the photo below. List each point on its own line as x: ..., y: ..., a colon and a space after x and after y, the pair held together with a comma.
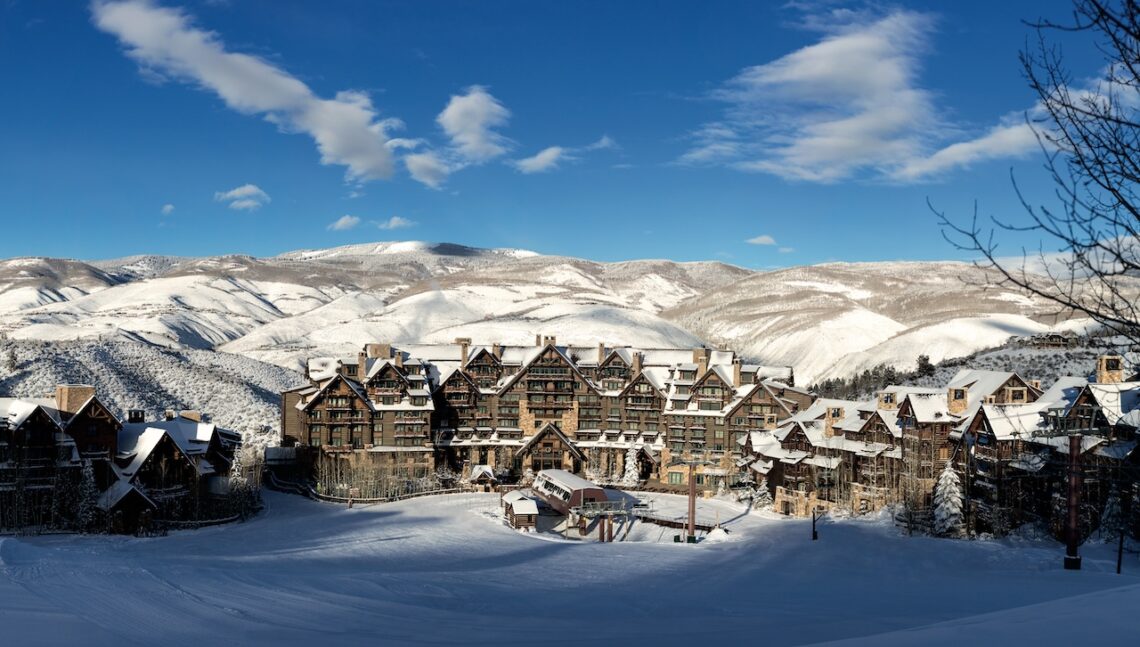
x: 445, y: 570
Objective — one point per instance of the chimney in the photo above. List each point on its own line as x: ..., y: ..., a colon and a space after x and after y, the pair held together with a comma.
x: 497, y: 350
x: 168, y: 414
x: 373, y: 350
x: 136, y: 415
x: 69, y: 397
x: 831, y: 416
x: 550, y: 339
x: 1109, y: 369
x: 538, y: 339
x: 736, y: 366
x: 1035, y: 384
x: 361, y: 365
x: 399, y: 359
x: 190, y: 414
x: 956, y: 400
x: 701, y: 359
x: 636, y: 368
x: 464, y: 349
x: 601, y: 352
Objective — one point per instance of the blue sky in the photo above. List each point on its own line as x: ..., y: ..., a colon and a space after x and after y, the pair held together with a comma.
x: 755, y: 133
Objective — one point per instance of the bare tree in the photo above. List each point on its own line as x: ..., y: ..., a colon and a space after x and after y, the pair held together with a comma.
x: 1089, y: 260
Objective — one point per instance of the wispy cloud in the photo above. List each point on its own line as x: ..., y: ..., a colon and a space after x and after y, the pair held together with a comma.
x: 763, y: 239
x: 344, y: 223
x: 545, y: 160
x: 395, y: 222
x: 786, y: 250
x: 167, y: 209
x: 165, y: 43
x: 246, y: 197
x: 428, y: 168
x: 550, y: 157
x: 849, y: 106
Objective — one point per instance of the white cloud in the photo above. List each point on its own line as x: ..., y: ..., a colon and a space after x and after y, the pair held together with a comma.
x: 427, y: 168
x: 167, y: 209
x: 395, y: 222
x: 550, y: 157
x: 164, y: 42
x: 763, y: 239
x: 469, y: 120
x: 245, y: 197
x: 605, y: 143
x: 545, y: 160
x: 849, y: 106
x: 1004, y: 141
x: 786, y: 250
x: 344, y: 223
x: 828, y: 111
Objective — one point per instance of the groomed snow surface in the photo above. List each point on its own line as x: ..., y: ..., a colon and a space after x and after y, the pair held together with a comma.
x: 446, y: 570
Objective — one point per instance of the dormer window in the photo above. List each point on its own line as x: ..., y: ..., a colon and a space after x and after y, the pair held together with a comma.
x: 959, y: 394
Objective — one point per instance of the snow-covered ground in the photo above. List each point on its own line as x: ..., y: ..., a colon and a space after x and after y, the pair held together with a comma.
x: 445, y: 570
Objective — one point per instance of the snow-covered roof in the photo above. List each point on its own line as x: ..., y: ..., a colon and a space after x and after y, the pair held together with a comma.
x: 117, y: 492
x: 1118, y: 401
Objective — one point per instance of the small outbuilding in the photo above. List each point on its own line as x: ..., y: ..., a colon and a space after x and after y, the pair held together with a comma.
x: 520, y: 510
x: 482, y: 477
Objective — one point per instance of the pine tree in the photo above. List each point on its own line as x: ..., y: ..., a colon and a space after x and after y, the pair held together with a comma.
x: 948, y: 504
x: 763, y: 497
x: 632, y: 475
x: 88, y: 511
x: 1111, y: 519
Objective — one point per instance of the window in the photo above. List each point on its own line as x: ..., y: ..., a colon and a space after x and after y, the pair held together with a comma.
x: 888, y: 398
x: 959, y: 394
x: 676, y: 478
x: 1112, y: 364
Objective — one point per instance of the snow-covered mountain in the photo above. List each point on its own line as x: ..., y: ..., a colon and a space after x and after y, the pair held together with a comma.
x: 825, y: 320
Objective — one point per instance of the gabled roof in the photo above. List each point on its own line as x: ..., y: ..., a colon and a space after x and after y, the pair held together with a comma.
x: 542, y: 351
x: 92, y: 402
x: 119, y: 491
x: 19, y: 410
x: 928, y: 407
x: 1119, y: 402
x: 551, y: 428
x: 352, y: 385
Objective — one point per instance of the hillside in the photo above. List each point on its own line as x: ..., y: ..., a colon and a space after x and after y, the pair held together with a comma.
x: 826, y: 320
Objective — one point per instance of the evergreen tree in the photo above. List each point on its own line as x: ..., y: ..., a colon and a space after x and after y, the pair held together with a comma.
x: 763, y: 497
x: 1112, y: 519
x: 948, y: 504
x: 88, y: 511
x: 631, y: 477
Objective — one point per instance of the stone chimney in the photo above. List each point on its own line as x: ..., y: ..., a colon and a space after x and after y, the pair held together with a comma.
x: 550, y: 339
x: 376, y: 351
x: 464, y: 350
x: 399, y: 359
x: 831, y: 415
x: 737, y: 364
x: 601, y: 352
x: 636, y: 368
x: 701, y: 359
x: 538, y: 339
x: 956, y: 400
x: 361, y: 365
x: 1035, y: 384
x: 69, y: 397
x: 497, y: 350
x: 190, y: 414
x: 1109, y: 369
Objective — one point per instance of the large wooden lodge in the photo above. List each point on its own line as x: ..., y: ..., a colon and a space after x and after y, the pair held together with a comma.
x: 527, y: 408
x: 586, y: 410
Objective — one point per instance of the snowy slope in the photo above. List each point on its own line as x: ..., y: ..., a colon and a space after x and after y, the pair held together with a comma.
x: 238, y: 393
x: 445, y: 570
x: 837, y: 319
x: 825, y: 320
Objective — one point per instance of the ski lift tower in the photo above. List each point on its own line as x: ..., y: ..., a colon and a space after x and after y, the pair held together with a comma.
x: 1059, y: 426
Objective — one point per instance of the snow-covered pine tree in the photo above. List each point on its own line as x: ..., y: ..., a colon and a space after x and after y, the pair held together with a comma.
x: 1111, y: 519
x: 87, y: 515
x: 631, y: 477
x: 763, y: 497
x: 948, y: 504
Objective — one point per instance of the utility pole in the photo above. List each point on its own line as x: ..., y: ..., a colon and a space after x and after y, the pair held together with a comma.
x: 1072, y: 558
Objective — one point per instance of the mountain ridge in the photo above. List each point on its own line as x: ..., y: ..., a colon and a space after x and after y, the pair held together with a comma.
x: 826, y: 320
